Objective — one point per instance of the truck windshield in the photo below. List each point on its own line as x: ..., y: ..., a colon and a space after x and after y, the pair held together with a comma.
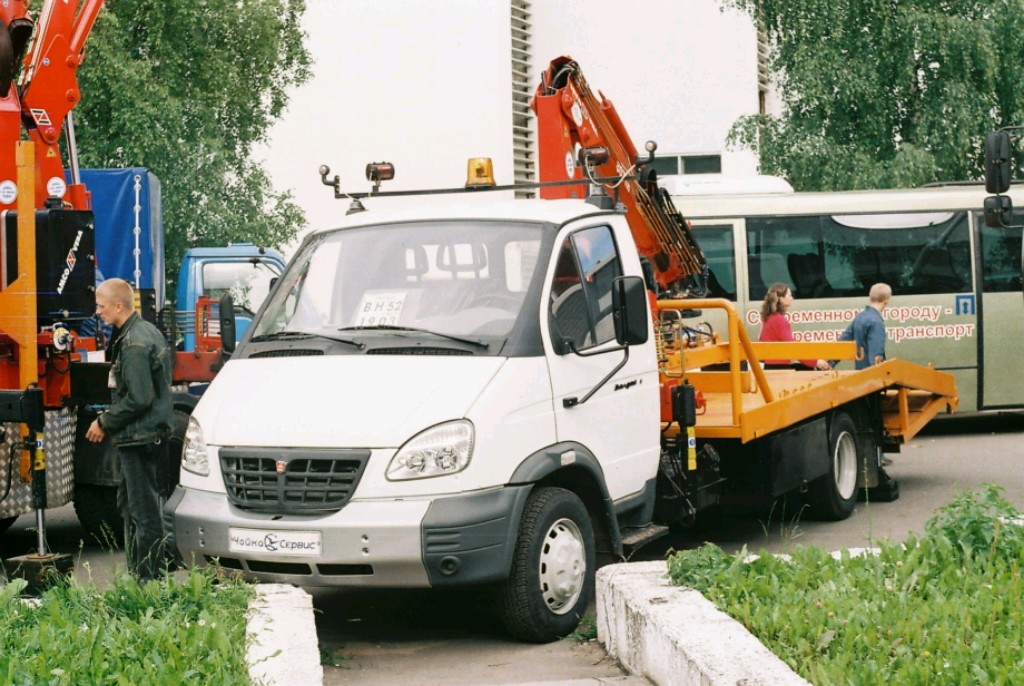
x: 453, y: 278
x: 247, y: 281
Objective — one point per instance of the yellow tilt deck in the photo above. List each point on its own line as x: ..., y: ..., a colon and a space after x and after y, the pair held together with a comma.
x: 746, y: 402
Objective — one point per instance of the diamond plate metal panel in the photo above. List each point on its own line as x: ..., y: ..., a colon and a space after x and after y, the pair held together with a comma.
x: 59, y: 443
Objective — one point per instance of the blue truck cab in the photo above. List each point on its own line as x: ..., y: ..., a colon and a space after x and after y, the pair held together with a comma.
x: 244, y: 270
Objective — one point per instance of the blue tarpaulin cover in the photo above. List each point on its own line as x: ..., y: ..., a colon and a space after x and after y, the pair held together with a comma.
x: 121, y: 200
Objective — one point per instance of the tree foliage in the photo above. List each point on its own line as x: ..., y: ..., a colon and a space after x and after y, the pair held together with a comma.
x: 885, y: 93
x: 186, y: 89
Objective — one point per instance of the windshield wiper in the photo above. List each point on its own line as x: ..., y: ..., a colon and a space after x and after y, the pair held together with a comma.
x: 297, y: 335
x: 413, y: 329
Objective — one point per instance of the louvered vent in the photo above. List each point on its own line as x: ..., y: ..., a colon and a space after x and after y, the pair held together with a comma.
x: 523, y: 143
x: 763, y: 81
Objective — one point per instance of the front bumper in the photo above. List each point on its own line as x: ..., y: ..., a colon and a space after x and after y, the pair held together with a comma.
x: 416, y: 543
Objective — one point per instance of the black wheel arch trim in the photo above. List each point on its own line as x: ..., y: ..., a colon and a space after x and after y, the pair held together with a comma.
x: 580, y: 473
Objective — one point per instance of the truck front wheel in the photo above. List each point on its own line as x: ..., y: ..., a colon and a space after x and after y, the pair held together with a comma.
x: 833, y: 496
x: 552, y: 576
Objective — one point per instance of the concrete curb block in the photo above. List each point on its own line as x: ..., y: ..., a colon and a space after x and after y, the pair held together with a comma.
x: 282, y: 646
x: 674, y: 635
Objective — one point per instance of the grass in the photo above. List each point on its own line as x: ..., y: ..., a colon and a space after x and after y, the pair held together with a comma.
x: 945, y: 608
x: 174, y: 631
x: 586, y: 630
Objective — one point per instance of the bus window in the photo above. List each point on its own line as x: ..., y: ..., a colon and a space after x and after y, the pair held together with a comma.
x: 716, y: 243
x: 1000, y: 259
x: 825, y: 256
x: 785, y: 250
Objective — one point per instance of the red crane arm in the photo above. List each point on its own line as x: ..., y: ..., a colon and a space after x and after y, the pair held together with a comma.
x: 46, y: 92
x: 569, y: 118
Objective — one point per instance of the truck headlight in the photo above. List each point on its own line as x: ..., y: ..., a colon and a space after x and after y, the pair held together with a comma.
x: 194, y: 457
x: 439, y: 451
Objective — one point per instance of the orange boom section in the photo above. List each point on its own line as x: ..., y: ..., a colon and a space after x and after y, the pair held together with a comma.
x: 581, y: 137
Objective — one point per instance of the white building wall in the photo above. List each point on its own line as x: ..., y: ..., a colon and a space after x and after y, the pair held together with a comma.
x: 424, y: 85
x: 427, y: 85
x: 678, y: 71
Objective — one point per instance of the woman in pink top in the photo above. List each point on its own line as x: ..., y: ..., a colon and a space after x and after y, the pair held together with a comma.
x: 775, y: 326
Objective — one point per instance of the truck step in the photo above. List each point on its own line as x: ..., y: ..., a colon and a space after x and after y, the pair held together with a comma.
x: 635, y: 537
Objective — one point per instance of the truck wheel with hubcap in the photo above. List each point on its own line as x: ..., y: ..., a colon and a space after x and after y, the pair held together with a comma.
x: 552, y: 576
x: 833, y: 496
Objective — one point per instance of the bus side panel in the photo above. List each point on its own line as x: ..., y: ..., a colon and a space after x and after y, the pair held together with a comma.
x: 831, y: 260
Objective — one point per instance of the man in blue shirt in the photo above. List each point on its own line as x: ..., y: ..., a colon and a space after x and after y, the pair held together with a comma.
x: 868, y: 328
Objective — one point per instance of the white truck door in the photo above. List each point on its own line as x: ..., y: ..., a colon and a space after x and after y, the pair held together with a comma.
x: 619, y: 422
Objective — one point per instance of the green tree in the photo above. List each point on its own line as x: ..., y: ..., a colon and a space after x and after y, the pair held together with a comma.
x: 885, y: 93
x: 186, y: 88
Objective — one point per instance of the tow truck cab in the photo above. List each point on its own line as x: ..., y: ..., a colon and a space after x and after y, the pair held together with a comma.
x: 453, y: 397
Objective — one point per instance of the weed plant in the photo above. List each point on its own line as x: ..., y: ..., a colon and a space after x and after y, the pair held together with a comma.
x: 945, y: 608
x: 586, y: 630
x: 187, y: 630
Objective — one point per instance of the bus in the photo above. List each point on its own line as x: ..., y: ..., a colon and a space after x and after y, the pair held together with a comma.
x: 956, y: 282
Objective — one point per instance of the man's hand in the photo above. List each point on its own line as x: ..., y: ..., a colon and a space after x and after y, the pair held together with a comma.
x: 95, y: 434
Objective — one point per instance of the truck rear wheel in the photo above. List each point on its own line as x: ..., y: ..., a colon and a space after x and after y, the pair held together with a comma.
x: 833, y: 496
x: 552, y: 576
x: 96, y: 507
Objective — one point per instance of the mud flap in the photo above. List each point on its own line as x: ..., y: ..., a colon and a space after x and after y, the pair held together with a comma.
x: 887, y: 490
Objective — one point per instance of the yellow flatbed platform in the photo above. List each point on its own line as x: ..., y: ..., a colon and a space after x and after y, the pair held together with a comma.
x: 745, y: 401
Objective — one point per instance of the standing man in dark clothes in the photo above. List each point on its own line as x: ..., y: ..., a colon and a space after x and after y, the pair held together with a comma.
x: 868, y: 328
x: 138, y: 421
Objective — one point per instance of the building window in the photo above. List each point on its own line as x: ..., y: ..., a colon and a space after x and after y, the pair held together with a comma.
x: 666, y: 165
x: 702, y: 164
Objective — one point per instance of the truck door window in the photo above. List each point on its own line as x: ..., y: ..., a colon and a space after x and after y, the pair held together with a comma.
x: 580, y: 305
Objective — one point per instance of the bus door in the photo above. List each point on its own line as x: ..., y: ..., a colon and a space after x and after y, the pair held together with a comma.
x: 1000, y: 316
x: 718, y: 243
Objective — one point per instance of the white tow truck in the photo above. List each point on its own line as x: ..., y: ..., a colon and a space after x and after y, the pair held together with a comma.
x: 494, y: 394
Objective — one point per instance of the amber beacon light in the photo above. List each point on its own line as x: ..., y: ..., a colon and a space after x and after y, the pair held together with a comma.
x: 480, y: 173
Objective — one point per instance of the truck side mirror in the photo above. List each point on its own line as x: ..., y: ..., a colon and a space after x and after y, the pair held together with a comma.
x: 998, y: 211
x: 227, y: 323
x: 629, y: 306
x: 998, y: 154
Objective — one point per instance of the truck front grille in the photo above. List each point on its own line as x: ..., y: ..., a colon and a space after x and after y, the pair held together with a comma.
x: 296, y: 479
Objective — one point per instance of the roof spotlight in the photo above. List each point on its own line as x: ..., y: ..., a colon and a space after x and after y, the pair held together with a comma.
x: 379, y: 171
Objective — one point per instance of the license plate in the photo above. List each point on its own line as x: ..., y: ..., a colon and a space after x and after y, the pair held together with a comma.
x: 274, y: 542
